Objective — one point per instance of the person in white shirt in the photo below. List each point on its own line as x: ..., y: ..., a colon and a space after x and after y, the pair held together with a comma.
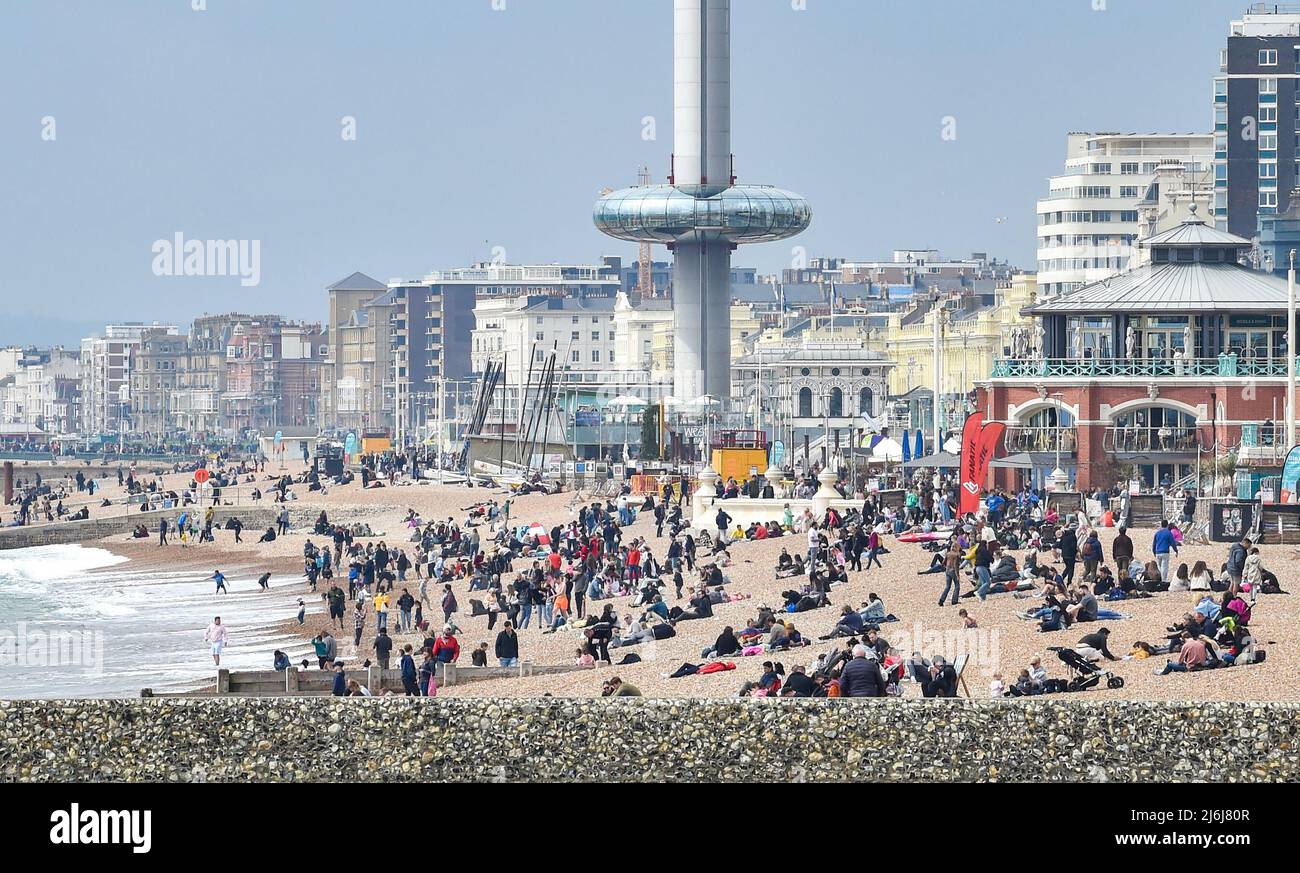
x: 216, y: 635
x: 996, y: 687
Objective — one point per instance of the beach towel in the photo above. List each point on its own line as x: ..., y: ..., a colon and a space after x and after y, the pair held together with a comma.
x: 751, y: 650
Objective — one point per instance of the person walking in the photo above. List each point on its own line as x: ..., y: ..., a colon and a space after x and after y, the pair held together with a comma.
x: 409, y: 674
x: 1162, y: 545
x: 216, y: 636
x: 1069, y: 546
x: 1121, y: 549
x: 873, y: 548
x: 952, y: 572
x: 162, y: 531
x: 358, y: 623
x: 507, y: 646
x: 983, y: 575
x: 219, y: 578
x: 383, y: 647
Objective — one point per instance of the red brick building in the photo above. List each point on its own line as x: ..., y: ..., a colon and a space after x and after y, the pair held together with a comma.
x: 1153, y: 373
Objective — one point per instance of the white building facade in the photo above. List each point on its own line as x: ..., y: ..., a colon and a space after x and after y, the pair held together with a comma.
x: 602, y: 346
x: 105, y: 373
x: 1088, y: 222
x: 39, y: 388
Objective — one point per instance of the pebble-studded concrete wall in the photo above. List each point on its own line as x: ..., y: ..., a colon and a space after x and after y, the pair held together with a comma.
x: 397, y: 739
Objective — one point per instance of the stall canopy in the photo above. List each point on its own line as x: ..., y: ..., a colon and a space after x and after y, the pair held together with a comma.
x: 1018, y: 461
x: 942, y: 459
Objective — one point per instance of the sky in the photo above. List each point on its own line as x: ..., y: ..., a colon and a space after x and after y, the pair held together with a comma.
x: 491, y: 126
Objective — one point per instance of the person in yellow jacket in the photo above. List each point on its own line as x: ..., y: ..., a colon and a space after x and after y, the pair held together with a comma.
x: 381, y: 609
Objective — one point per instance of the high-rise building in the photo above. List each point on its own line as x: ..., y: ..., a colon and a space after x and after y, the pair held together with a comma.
x: 105, y: 371
x: 1256, y: 117
x: 1088, y: 222
x: 438, y: 340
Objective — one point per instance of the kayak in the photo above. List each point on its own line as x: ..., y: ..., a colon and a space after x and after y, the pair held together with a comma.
x: 923, y: 537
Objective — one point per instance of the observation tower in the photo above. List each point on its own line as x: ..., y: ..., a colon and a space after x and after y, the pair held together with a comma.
x: 702, y: 214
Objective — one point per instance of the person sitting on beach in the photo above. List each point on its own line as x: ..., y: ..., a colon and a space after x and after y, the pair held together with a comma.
x: 850, y: 624
x: 724, y: 646
x: 1194, y: 654
x: 942, y: 681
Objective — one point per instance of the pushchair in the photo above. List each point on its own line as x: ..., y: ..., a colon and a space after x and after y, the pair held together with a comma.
x: 1083, y: 673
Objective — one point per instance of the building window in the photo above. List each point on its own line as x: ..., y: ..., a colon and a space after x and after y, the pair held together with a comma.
x: 1267, y: 85
x: 864, y: 401
x: 1267, y: 114
x: 595, y: 356
x: 1268, y: 57
x: 595, y: 336
x: 837, y: 403
x: 1129, y: 168
x: 805, y: 403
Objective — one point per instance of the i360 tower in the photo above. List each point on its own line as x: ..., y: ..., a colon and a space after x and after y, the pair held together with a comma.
x: 701, y: 214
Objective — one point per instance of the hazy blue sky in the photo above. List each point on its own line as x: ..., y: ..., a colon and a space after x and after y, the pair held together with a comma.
x: 480, y: 128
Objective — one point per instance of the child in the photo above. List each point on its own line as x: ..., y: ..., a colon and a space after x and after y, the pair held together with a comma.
x: 966, y: 621
x: 996, y: 687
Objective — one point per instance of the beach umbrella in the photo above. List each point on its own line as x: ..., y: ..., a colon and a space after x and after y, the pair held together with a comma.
x: 907, y: 447
x: 887, y: 450
x: 626, y: 401
x: 918, y: 450
x: 542, y: 534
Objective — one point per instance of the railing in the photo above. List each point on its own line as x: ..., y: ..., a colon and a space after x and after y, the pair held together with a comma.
x: 1226, y: 365
x: 1151, y: 439
x: 1041, y: 439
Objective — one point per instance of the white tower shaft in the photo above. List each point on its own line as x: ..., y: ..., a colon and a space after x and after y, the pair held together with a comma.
x: 702, y: 95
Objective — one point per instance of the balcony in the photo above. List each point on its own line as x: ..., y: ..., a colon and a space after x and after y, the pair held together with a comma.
x: 1041, y: 439
x: 1143, y: 440
x: 1226, y: 365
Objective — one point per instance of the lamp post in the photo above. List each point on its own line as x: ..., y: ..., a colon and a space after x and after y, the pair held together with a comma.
x: 1058, y: 475
x: 938, y: 370
x: 1290, y: 354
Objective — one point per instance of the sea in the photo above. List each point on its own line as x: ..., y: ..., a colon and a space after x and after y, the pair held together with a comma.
x: 78, y: 621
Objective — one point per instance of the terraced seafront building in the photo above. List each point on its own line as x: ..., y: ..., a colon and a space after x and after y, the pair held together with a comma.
x: 702, y: 214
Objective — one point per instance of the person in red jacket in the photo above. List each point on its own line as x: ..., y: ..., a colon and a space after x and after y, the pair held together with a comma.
x: 445, y: 648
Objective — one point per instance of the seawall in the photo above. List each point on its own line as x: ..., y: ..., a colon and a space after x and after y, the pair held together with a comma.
x: 631, y: 739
